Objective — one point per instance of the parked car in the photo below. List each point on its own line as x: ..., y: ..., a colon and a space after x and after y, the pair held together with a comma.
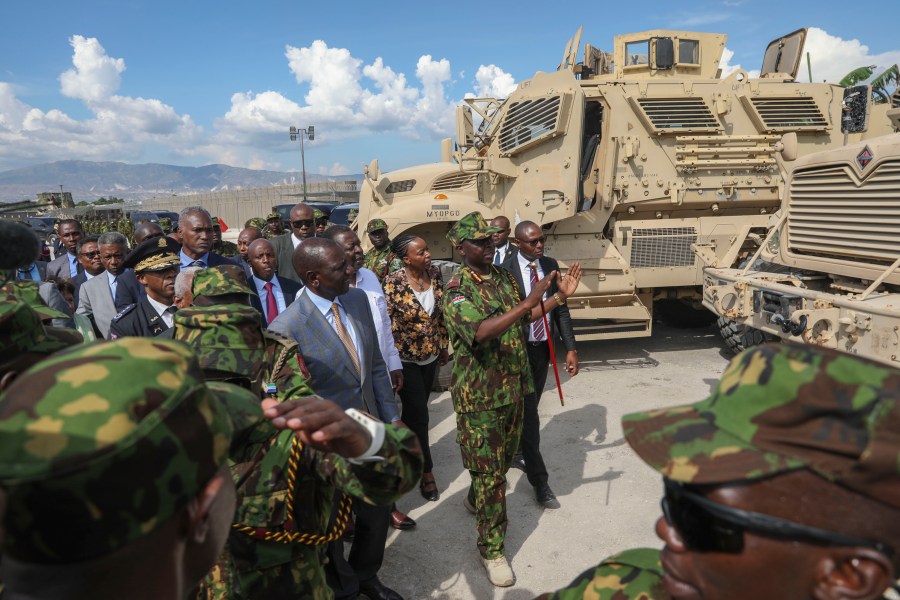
x: 341, y: 214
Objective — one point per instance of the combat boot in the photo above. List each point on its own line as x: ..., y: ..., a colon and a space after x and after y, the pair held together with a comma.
x: 499, y: 572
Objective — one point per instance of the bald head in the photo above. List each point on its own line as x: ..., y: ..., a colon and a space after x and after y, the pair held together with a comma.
x: 524, y: 227
x: 500, y: 238
x: 245, y: 238
x: 322, y: 265
x: 303, y: 214
x: 147, y: 230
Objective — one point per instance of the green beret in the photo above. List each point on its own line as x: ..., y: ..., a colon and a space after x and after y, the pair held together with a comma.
x: 471, y: 227
x: 779, y: 408
x: 227, y: 338
x: 21, y: 331
x: 103, y: 444
x: 375, y: 225
x: 221, y: 280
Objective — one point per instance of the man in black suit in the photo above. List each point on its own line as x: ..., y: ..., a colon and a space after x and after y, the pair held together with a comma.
x: 156, y: 264
x: 527, y: 262
x: 303, y: 226
x: 197, y: 237
x: 334, y: 327
x: 273, y: 292
x: 66, y: 266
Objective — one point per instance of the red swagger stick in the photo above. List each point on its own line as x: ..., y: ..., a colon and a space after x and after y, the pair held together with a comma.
x: 552, y: 353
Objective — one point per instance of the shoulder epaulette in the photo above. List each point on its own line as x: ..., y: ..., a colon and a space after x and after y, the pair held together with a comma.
x: 124, y: 312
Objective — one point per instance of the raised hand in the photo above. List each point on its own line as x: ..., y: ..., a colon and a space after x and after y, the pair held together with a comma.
x: 569, y: 282
x: 320, y: 423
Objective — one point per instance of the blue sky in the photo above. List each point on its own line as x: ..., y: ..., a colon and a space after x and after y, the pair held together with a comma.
x: 193, y: 83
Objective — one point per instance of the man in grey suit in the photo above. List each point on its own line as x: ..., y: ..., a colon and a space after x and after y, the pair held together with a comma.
x: 334, y: 326
x: 102, y: 297
x: 303, y: 227
x: 66, y: 266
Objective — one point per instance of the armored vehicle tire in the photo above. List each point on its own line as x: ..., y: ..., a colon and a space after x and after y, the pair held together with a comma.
x: 682, y: 315
x: 740, y: 337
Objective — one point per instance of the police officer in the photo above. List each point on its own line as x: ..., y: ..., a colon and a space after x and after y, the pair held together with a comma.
x: 293, y: 493
x: 127, y: 494
x: 783, y: 484
x: 486, y: 320
x: 379, y: 259
x: 156, y: 264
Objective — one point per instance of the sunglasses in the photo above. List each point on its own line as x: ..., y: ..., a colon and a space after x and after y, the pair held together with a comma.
x: 533, y: 242
x: 93, y: 254
x: 302, y: 223
x: 707, y: 526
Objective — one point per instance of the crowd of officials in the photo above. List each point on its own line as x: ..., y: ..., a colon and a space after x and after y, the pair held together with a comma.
x: 186, y: 418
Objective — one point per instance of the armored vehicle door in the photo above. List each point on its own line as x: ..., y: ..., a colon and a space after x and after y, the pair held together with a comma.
x: 537, y: 148
x: 783, y: 55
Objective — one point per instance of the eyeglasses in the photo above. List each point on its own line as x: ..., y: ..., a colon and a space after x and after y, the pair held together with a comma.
x: 707, y: 526
x: 302, y: 223
x: 93, y: 254
x: 533, y: 242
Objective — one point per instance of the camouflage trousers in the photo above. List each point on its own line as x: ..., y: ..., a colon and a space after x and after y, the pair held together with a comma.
x: 487, y: 440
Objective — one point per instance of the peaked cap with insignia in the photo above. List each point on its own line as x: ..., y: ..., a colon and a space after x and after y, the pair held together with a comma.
x: 155, y: 254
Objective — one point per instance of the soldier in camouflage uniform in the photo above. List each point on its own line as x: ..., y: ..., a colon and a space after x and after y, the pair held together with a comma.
x: 286, y: 513
x: 321, y: 222
x: 166, y: 224
x: 783, y: 484
x: 486, y: 320
x: 113, y: 466
x: 220, y: 246
x: 379, y: 258
x: 273, y: 226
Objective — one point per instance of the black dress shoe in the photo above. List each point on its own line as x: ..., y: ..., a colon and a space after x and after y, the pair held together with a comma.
x: 517, y: 462
x: 429, y: 489
x: 375, y: 590
x: 400, y: 520
x: 545, y: 496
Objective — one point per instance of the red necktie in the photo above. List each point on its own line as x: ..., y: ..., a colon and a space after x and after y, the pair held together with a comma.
x: 271, y: 305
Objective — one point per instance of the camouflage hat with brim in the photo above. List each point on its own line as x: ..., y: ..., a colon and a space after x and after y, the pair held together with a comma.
x: 273, y: 215
x: 103, y: 444
x: 779, y: 408
x: 221, y: 280
x: 471, y: 227
x: 227, y: 338
x: 29, y: 292
x: 21, y: 331
x: 376, y: 225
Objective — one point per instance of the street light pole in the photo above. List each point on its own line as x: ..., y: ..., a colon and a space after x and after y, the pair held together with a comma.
x: 301, y: 132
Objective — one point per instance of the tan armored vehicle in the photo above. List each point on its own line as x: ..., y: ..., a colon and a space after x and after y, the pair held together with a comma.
x: 627, y: 159
x: 828, y: 273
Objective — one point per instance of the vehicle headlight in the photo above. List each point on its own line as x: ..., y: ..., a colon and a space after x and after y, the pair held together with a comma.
x: 774, y: 242
x: 400, y: 186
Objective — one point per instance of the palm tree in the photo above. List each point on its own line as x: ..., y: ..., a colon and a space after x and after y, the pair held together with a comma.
x: 890, y: 77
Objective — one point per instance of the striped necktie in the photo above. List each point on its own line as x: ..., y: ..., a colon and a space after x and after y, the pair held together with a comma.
x: 537, y: 328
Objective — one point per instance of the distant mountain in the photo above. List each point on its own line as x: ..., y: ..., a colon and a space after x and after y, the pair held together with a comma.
x: 88, y: 180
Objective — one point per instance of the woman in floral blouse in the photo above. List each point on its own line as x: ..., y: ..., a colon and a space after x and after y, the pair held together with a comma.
x: 415, y: 306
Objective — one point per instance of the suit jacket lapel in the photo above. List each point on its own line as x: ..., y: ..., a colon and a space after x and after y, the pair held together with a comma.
x: 324, y: 331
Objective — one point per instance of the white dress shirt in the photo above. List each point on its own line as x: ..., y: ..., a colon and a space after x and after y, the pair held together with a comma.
x: 368, y: 282
x: 525, y: 270
x: 161, y: 309
x: 504, y: 252
x: 113, y: 283
x: 295, y: 240
x: 263, y: 294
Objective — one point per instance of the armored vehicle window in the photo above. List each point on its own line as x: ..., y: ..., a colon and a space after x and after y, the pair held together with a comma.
x: 689, y: 52
x: 637, y: 53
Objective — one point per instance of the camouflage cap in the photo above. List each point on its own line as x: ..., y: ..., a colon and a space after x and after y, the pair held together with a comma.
x: 93, y: 457
x: 471, y: 227
x: 29, y: 292
x: 375, y: 225
x: 273, y: 215
x: 227, y: 338
x: 779, y: 408
x: 257, y: 222
x: 221, y: 280
x: 21, y: 331
x: 216, y: 223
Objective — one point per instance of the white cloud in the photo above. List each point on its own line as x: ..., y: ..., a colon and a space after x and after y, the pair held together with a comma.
x: 96, y: 75
x: 832, y: 57
x: 335, y: 170
x: 493, y: 82
x: 728, y: 68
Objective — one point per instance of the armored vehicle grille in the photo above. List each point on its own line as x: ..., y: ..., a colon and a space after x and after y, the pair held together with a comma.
x: 784, y: 114
x: 678, y: 114
x: 834, y: 214
x: 663, y: 247
x: 528, y: 120
x: 456, y: 181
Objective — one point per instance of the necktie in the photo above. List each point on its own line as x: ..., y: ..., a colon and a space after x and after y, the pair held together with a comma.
x: 198, y: 263
x: 537, y: 328
x: 497, y: 257
x: 345, y: 337
x: 271, y: 305
x: 113, y: 286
